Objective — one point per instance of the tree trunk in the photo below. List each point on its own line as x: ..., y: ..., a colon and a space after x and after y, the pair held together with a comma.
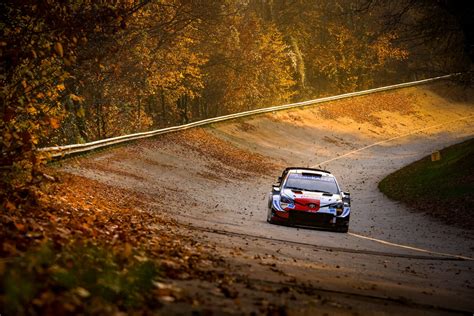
x: 139, y: 125
x: 163, y: 107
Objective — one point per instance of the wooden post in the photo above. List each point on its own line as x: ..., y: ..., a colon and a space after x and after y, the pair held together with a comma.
x: 436, y: 156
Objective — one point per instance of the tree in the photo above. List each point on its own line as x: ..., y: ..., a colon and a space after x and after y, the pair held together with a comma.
x: 38, y: 48
x: 438, y: 33
x: 250, y: 65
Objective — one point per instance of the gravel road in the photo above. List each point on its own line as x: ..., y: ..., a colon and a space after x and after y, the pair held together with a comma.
x: 215, y: 180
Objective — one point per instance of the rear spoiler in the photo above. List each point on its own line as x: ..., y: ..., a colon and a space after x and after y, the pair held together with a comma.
x: 306, y: 168
x: 299, y: 168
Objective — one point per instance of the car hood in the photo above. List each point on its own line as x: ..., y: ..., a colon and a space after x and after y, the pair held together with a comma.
x: 322, y: 198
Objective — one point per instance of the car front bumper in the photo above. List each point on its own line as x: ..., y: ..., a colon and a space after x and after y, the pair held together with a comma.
x: 309, y: 219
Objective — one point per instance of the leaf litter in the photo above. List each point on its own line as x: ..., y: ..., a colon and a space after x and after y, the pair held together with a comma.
x: 86, y: 247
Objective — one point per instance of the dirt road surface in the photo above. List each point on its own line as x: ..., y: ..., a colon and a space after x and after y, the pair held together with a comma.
x: 215, y: 180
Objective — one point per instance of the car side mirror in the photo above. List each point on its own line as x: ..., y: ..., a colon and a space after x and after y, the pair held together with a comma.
x: 346, y: 197
x: 279, y: 180
x: 276, y: 188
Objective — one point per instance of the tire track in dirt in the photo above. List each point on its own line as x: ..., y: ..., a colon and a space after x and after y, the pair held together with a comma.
x: 434, y: 255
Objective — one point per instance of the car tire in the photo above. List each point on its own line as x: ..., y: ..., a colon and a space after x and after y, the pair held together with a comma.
x: 343, y: 229
x: 269, y: 216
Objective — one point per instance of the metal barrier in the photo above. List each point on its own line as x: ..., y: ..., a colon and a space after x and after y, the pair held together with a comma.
x: 62, y: 151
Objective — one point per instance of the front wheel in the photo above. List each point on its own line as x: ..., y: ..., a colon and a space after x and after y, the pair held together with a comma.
x: 343, y: 229
x: 344, y: 226
x: 269, y: 216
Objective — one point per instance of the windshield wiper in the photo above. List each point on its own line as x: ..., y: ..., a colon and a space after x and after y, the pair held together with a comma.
x: 318, y: 191
x: 297, y: 189
x: 301, y: 189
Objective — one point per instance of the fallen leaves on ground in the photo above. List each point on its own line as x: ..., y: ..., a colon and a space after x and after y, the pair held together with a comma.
x: 202, y: 142
x: 85, y: 247
x: 363, y: 109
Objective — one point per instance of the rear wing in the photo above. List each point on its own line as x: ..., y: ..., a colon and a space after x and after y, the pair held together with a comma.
x: 299, y: 168
x: 305, y: 168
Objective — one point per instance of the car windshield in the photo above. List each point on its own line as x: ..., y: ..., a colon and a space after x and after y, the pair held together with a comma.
x: 311, y: 182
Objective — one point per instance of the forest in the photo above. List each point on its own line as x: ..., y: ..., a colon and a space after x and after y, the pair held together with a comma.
x: 80, y: 70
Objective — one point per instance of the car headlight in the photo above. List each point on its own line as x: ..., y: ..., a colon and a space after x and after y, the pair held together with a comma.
x: 286, y: 202
x: 339, y: 207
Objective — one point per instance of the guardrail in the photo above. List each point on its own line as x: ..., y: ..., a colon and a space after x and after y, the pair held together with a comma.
x: 62, y: 151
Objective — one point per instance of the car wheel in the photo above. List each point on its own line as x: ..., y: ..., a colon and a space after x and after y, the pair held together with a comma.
x: 269, y: 216
x: 343, y: 229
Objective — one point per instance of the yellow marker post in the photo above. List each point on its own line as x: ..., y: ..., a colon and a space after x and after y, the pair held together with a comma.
x: 436, y: 156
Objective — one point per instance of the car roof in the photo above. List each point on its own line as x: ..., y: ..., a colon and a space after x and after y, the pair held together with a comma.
x: 306, y: 170
x: 310, y: 172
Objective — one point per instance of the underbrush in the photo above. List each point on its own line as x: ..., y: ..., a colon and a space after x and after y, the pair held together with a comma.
x: 79, y: 278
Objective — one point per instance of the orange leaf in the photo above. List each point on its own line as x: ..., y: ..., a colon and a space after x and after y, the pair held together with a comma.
x: 21, y: 227
x: 58, y: 47
x: 10, y: 206
x: 76, y: 98
x: 54, y: 123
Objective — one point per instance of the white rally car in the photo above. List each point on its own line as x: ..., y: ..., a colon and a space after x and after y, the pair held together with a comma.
x: 310, y: 198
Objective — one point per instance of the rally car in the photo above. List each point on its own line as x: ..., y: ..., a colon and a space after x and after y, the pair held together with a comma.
x: 310, y: 198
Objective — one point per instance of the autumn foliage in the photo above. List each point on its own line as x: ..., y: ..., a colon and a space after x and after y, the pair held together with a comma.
x: 39, y: 50
x: 75, y: 251
x: 76, y: 71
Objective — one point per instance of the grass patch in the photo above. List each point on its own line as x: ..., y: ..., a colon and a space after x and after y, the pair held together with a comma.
x: 443, y: 189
